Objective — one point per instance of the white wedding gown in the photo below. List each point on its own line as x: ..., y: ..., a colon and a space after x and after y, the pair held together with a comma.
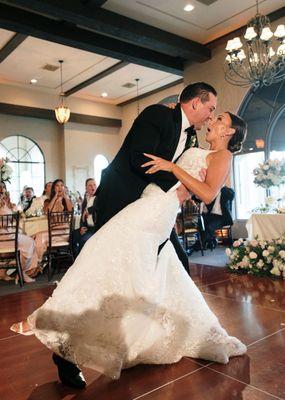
x: 121, y: 304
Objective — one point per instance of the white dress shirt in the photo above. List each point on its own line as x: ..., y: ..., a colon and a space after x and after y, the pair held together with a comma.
x: 183, y: 136
x: 181, y: 144
x: 90, y: 201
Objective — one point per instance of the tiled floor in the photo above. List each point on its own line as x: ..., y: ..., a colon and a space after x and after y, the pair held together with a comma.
x: 253, y: 309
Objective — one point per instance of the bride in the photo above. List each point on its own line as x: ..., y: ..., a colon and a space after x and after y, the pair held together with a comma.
x: 121, y: 303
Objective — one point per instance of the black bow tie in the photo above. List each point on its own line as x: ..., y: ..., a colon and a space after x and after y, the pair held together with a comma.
x: 191, y: 140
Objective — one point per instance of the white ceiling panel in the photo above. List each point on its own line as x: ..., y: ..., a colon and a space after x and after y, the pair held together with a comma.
x: 149, y: 79
x: 27, y: 62
x: 5, y: 36
x: 203, y: 24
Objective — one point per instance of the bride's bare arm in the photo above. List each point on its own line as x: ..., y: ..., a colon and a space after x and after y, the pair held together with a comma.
x: 219, y: 164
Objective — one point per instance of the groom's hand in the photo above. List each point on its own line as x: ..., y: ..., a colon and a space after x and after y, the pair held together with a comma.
x: 182, y: 194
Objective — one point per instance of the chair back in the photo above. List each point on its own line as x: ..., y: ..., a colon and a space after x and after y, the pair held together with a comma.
x: 59, y: 224
x: 190, y: 215
x: 9, y: 231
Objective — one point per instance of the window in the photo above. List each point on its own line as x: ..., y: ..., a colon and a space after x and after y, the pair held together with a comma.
x: 100, y: 163
x: 28, y: 164
x: 264, y: 111
x: 248, y: 195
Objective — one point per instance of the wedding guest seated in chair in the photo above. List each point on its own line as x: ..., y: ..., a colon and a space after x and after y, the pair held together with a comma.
x: 26, y: 245
x: 216, y: 215
x: 88, y: 217
x: 58, y: 202
x: 28, y: 198
x: 47, y: 191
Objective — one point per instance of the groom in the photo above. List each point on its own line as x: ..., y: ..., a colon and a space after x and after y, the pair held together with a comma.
x: 160, y: 131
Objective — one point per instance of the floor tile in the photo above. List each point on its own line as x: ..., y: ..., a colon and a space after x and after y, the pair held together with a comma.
x: 266, y: 365
x: 266, y: 292
x: 206, y: 384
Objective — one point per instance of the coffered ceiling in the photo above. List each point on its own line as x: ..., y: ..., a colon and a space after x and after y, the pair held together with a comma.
x: 106, y: 45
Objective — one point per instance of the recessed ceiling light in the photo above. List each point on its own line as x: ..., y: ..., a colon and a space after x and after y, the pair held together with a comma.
x: 33, y: 81
x: 189, y: 7
x: 104, y: 94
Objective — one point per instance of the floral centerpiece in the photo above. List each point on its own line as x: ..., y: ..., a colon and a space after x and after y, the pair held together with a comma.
x: 270, y: 173
x: 5, y: 170
x: 258, y: 257
x: 36, y: 208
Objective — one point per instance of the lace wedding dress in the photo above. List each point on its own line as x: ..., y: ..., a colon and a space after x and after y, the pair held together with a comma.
x: 120, y: 304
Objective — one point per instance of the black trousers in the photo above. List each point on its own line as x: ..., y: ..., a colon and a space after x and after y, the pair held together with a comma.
x: 212, y: 222
x: 181, y: 253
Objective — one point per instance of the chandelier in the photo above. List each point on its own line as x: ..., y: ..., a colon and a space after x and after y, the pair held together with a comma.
x: 254, y: 61
x: 62, y: 113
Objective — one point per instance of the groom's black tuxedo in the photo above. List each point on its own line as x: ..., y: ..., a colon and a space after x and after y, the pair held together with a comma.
x: 155, y: 131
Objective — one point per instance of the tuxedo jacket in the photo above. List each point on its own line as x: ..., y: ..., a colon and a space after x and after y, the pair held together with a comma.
x: 227, y: 196
x: 155, y: 131
x: 91, y: 210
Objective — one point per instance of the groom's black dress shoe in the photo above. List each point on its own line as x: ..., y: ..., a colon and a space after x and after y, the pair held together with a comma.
x: 68, y: 373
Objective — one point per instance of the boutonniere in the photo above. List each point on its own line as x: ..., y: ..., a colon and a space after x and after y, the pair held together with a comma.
x: 193, y: 141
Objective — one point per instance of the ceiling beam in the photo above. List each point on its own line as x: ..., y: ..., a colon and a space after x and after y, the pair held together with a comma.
x: 11, y: 45
x: 142, y: 96
x: 116, y: 26
x: 27, y: 23
x: 273, y: 16
x: 44, y: 113
x: 96, y: 77
x: 97, y: 3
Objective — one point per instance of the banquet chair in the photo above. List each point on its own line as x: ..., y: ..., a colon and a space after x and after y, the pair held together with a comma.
x: 9, y: 252
x: 192, y: 224
x: 60, y: 226
x: 224, y: 234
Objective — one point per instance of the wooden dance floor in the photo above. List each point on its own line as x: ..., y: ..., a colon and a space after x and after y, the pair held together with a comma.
x: 253, y: 309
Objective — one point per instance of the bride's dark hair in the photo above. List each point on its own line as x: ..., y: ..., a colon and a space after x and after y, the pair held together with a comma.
x: 240, y: 126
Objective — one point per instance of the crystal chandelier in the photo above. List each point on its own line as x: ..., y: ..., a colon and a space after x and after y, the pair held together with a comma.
x: 62, y: 113
x: 255, y: 62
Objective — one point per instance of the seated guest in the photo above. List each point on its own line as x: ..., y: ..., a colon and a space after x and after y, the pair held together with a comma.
x: 26, y: 245
x: 216, y: 215
x: 28, y: 198
x: 58, y: 202
x: 47, y: 191
x: 88, y: 217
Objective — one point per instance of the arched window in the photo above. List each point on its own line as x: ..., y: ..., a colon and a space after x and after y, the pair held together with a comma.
x: 100, y: 163
x: 28, y: 164
x: 264, y: 111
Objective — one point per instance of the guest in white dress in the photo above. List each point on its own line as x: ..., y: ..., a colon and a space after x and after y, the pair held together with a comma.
x: 121, y: 303
x: 26, y: 245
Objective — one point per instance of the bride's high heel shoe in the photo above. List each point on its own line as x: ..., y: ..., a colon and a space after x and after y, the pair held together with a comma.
x: 21, y: 328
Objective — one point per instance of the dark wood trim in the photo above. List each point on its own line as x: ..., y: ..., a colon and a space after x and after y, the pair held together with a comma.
x: 116, y: 26
x: 142, y: 96
x: 97, y: 3
x: 61, y: 32
x: 44, y: 113
x: 240, y: 31
x: 96, y: 77
x: 11, y: 45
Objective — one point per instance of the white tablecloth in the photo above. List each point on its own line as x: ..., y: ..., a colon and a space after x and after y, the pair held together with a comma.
x: 266, y: 226
x: 31, y: 226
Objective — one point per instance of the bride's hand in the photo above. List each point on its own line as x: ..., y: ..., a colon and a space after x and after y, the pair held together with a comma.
x: 157, y: 164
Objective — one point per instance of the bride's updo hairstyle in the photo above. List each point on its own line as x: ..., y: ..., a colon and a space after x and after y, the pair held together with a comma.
x: 240, y: 126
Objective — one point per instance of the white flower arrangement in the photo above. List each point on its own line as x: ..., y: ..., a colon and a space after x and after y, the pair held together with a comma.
x: 258, y: 257
x: 36, y: 208
x: 5, y: 170
x: 270, y: 173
